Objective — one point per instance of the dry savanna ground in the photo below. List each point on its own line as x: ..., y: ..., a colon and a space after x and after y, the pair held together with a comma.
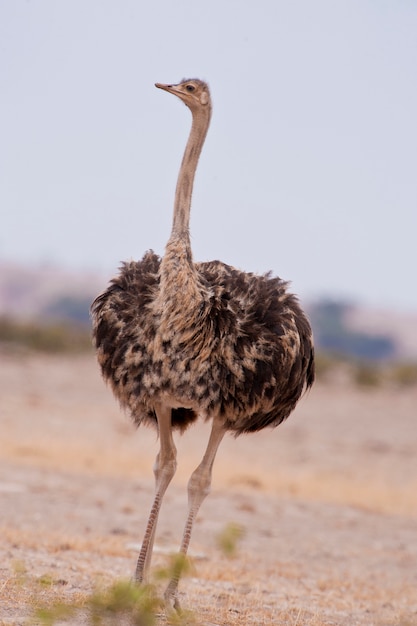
x: 327, y: 503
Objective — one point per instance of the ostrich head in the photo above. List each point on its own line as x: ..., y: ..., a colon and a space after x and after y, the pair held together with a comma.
x: 193, y: 92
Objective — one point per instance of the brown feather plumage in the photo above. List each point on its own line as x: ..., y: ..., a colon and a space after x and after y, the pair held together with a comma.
x: 243, y: 350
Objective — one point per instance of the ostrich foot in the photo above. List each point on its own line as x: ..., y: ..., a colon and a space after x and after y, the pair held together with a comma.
x: 171, y: 601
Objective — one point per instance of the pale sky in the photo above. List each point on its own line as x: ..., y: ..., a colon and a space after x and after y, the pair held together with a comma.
x: 310, y: 164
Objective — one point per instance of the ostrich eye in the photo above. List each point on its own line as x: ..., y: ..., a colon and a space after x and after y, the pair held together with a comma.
x: 190, y: 88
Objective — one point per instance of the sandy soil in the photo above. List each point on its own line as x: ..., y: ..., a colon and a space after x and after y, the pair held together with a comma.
x: 328, y: 502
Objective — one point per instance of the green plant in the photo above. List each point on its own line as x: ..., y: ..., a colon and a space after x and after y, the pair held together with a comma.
x: 121, y: 603
x: 136, y: 604
x: 124, y: 602
x: 179, y: 565
x: 228, y: 539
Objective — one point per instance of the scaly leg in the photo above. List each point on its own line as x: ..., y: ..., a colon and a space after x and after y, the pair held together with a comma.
x: 164, y: 470
x: 198, y: 490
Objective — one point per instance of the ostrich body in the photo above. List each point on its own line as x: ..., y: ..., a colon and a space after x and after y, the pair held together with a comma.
x: 178, y: 340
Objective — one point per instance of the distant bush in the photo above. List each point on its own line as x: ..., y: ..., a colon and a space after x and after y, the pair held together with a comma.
x: 333, y: 335
x: 368, y: 375
x: 404, y: 374
x: 364, y: 373
x: 327, y: 364
x: 62, y: 337
x: 69, y: 309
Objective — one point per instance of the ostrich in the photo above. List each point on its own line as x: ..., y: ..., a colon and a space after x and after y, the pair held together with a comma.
x: 178, y: 340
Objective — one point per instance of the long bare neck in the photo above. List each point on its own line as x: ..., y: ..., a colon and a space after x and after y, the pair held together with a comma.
x: 184, y: 190
x: 180, y: 288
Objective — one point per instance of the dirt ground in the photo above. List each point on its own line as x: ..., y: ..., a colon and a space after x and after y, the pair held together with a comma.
x: 328, y: 502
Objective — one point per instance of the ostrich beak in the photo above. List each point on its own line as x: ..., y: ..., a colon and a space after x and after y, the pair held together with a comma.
x: 170, y: 88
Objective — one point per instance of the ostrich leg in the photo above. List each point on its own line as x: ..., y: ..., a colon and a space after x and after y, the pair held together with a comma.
x: 198, y: 490
x: 164, y: 470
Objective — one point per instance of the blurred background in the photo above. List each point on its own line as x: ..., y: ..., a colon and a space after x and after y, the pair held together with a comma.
x: 309, y: 168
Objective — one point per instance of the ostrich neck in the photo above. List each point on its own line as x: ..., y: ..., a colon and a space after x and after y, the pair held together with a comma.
x: 184, y: 190
x: 180, y: 286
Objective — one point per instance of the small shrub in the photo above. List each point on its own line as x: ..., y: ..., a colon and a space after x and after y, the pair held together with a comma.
x: 404, y: 374
x: 325, y: 364
x: 179, y: 565
x: 229, y: 538
x: 367, y: 376
x: 136, y: 604
x: 52, y: 338
x: 122, y: 603
x: 59, y: 612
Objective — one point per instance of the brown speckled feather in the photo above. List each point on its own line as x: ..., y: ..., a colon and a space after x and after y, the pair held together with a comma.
x: 242, y: 350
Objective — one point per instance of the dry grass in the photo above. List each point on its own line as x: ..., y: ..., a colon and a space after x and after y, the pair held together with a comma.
x: 221, y: 606
x: 326, y: 506
x: 372, y: 493
x: 54, y: 542
x: 221, y: 595
x: 221, y: 591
